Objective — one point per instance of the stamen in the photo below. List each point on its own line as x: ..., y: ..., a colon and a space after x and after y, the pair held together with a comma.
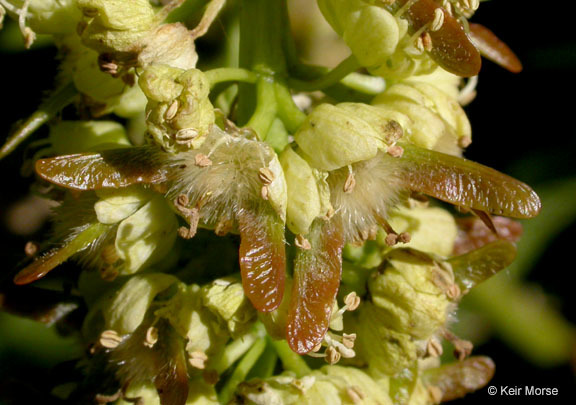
x: 352, y: 301
x: 438, y: 20
x: 266, y: 176
x: 395, y: 151
x: 198, y: 360
x: 301, y: 242
x: 31, y: 248
x: 350, y: 182
x: 434, y: 348
x: 151, y: 337
x: 172, y: 110
x: 110, y: 339
x: 185, y: 136
x: 202, y: 160
x: 462, y: 348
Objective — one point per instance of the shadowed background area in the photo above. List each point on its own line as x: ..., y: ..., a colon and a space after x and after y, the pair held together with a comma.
x: 523, y: 125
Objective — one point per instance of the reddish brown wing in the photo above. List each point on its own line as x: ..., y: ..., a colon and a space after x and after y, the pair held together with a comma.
x: 112, y: 168
x: 317, y: 274
x: 451, y: 47
x: 262, y: 258
x: 458, y: 379
x: 492, y: 48
x: 172, y: 379
x: 473, y: 233
x: 478, y: 265
x: 47, y: 262
x: 468, y: 184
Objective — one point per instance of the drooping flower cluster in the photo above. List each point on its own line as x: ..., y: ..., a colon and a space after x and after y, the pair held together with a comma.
x: 340, y: 255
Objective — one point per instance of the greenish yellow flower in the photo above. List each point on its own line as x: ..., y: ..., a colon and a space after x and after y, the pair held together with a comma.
x: 115, y: 25
x: 146, y: 226
x: 67, y: 137
x: 432, y: 118
x: 225, y: 298
x: 179, y: 113
x: 328, y: 385
x: 102, y: 93
x: 46, y: 16
x: 308, y: 195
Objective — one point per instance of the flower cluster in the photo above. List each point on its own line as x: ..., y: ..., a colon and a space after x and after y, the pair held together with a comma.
x: 341, y: 255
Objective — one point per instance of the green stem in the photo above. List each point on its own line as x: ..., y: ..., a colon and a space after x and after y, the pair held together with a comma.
x: 288, y: 112
x: 290, y: 360
x: 347, y: 66
x: 263, y: 54
x: 48, y: 109
x: 235, y: 350
x: 266, y: 108
x: 241, y: 370
x: 230, y: 74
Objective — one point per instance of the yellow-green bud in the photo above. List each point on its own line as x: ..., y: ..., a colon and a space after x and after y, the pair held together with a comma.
x: 435, y: 120
x: 432, y: 229
x: 179, y: 112
x: 329, y: 385
x: 115, y: 25
x: 48, y: 16
x: 68, y: 137
x: 225, y: 298
x: 126, y: 309
x: 408, y: 292
x: 104, y: 93
x: 386, y: 350
x: 378, y: 39
x: 331, y: 138
x: 169, y: 44
x: 146, y: 225
x: 308, y: 195
x: 193, y: 322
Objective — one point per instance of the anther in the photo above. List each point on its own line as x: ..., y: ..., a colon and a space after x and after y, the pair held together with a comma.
x: 301, y: 242
x: 264, y: 192
x: 110, y: 339
x: 426, y: 41
x: 198, y: 360
x: 151, y: 337
x: 395, y: 151
x: 333, y: 356
x: 172, y: 110
x: 348, y: 340
x: 404, y: 237
x: 350, y: 182
x: 434, y: 348
x: 185, y: 136
x: 438, y: 20
x: 352, y: 301
x: 266, y: 176
x: 31, y: 248
x: 202, y: 160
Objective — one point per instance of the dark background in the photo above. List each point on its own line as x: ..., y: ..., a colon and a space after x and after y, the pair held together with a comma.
x: 523, y: 125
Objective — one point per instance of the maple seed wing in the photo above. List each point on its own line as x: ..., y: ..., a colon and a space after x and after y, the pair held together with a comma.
x: 468, y: 184
x: 112, y: 168
x: 317, y: 274
x: 262, y: 258
x: 172, y: 378
x: 494, y: 49
x: 474, y: 267
x: 455, y: 380
x: 50, y: 260
x: 451, y: 47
